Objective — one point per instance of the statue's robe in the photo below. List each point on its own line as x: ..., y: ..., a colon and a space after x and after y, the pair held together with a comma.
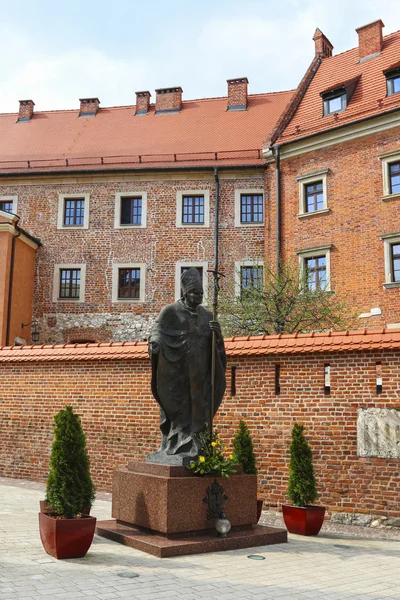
x: 181, y: 375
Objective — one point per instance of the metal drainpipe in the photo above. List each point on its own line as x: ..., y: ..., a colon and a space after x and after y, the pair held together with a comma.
x: 215, y: 299
x: 278, y: 208
x: 11, y: 283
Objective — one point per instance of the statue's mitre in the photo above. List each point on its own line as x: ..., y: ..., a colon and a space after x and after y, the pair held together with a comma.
x: 190, y: 280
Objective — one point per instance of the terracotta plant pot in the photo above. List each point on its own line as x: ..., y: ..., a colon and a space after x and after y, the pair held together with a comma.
x: 303, y: 520
x: 46, y: 508
x: 260, y: 504
x: 66, y: 538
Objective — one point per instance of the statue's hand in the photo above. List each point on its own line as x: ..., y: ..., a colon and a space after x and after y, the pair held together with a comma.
x: 215, y: 326
x: 154, y: 348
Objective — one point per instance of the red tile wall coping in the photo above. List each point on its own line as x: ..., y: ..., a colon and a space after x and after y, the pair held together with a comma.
x: 343, y: 341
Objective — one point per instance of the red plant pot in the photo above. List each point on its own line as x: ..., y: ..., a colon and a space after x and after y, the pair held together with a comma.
x: 303, y: 520
x: 66, y: 538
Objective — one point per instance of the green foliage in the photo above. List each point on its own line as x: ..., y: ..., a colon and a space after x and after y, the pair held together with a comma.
x: 211, y: 460
x: 302, y: 489
x: 243, y: 451
x: 283, y: 304
x: 70, y: 488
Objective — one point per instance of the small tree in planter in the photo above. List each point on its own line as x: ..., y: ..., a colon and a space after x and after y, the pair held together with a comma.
x: 243, y: 454
x: 70, y: 491
x: 302, y: 518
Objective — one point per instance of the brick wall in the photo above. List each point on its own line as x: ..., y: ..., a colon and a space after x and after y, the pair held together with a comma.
x: 120, y: 419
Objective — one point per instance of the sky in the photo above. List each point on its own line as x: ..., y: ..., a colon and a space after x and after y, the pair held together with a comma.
x: 57, y: 52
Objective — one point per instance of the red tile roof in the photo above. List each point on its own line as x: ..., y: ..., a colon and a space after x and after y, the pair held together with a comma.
x: 202, y: 133
x: 369, y: 98
x: 345, y: 341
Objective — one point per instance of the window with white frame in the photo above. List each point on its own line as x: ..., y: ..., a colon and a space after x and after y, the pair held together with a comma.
x: 315, y: 267
x: 183, y: 266
x: 391, y: 175
x: 9, y: 204
x: 249, y: 207
x: 69, y: 283
x: 313, y: 190
x: 73, y: 211
x: 392, y: 259
x: 128, y: 282
x: 130, y: 210
x: 248, y: 274
x: 193, y: 208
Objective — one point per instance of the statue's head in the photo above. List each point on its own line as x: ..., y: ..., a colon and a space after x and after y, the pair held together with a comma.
x: 192, y: 287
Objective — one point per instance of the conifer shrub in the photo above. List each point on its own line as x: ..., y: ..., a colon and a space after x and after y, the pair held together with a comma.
x: 70, y: 490
x: 243, y: 451
x: 302, y: 489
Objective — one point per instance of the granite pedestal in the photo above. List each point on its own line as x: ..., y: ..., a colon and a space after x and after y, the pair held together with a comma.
x: 160, y: 509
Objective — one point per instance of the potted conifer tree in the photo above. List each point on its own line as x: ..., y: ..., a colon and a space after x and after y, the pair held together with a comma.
x: 302, y: 517
x: 243, y: 454
x: 67, y: 531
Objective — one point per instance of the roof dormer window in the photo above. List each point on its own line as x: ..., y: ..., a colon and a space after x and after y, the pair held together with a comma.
x: 393, y: 81
x: 336, y: 99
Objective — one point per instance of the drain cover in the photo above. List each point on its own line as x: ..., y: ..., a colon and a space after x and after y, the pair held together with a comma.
x: 256, y: 557
x: 341, y: 546
x: 129, y: 575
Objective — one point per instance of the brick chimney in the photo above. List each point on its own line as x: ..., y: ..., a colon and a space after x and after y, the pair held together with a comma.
x: 88, y: 107
x: 142, y: 103
x: 168, y: 100
x: 323, y: 47
x: 370, y: 40
x: 237, y: 93
x: 25, y: 110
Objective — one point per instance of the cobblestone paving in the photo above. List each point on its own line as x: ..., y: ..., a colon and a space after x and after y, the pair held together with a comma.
x: 332, y: 566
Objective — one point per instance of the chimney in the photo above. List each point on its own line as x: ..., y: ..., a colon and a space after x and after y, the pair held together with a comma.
x: 168, y: 100
x: 370, y: 40
x: 25, y: 110
x: 142, y: 103
x: 88, y: 107
x: 237, y: 93
x: 323, y: 47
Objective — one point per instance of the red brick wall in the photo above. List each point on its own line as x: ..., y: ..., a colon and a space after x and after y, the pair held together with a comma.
x: 357, y: 219
x: 120, y: 419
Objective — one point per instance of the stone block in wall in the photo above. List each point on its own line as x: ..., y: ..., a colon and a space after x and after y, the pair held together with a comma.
x: 378, y: 432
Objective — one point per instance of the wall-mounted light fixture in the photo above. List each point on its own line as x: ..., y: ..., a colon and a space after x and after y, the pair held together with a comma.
x: 34, y: 331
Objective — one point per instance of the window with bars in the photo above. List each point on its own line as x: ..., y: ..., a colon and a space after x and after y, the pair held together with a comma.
x: 394, y: 178
x: 313, y: 196
x: 315, y: 270
x: 70, y: 284
x: 129, y: 283
x: 251, y: 208
x: 395, y: 262
x: 74, y: 211
x: 131, y: 210
x: 193, y: 210
x: 251, y: 277
x: 6, y: 205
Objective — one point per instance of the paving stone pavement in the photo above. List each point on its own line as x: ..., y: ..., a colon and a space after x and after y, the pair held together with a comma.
x: 332, y: 566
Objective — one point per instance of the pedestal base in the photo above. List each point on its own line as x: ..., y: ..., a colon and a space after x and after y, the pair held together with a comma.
x: 183, y: 544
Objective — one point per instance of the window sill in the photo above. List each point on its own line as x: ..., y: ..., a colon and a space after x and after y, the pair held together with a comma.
x: 128, y: 300
x: 130, y: 226
x: 389, y: 286
x: 65, y: 300
x: 389, y: 197
x: 313, y: 213
x: 258, y: 224
x: 193, y: 226
x: 69, y: 227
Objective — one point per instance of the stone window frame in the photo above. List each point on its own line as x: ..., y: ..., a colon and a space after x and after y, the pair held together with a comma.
x: 61, y: 206
x: 304, y: 181
x: 316, y: 252
x: 188, y: 264
x: 238, y: 196
x: 386, y: 160
x: 117, y: 212
x: 244, y: 263
x: 388, y: 240
x: 115, y: 279
x: 13, y: 199
x: 179, y: 203
x: 56, y: 282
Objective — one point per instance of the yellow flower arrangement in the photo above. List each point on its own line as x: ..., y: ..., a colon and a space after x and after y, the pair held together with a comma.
x: 212, y: 461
